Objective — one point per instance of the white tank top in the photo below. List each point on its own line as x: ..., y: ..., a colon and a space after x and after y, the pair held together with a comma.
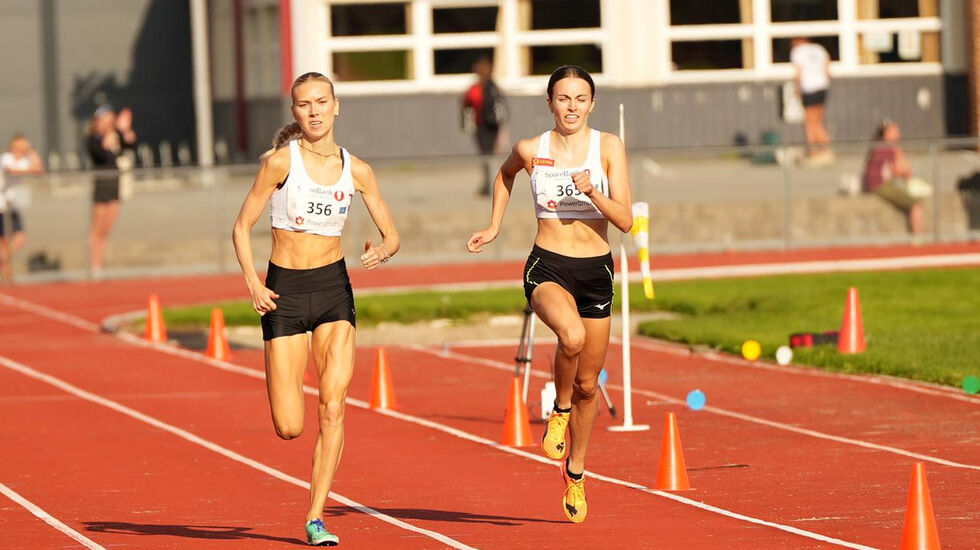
x: 303, y: 205
x: 554, y: 193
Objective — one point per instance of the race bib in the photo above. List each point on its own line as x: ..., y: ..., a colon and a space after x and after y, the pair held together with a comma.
x: 317, y: 208
x: 555, y: 192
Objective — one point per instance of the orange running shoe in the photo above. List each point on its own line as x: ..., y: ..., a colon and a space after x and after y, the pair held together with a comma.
x: 553, y: 443
x: 573, y: 500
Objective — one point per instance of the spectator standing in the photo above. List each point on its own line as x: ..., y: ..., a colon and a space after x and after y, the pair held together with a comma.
x: 812, y: 64
x: 108, y: 136
x: 19, y: 159
x: 485, y: 111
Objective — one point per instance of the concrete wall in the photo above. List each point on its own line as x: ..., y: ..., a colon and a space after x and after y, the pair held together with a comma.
x: 21, y: 92
x: 63, y: 58
x: 696, y: 115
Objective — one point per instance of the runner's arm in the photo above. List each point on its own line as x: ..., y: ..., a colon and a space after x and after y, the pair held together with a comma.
x: 502, y: 186
x: 273, y: 171
x: 367, y: 184
x: 618, y: 206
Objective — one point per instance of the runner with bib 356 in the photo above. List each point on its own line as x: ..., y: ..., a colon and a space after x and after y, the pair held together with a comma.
x: 579, y: 183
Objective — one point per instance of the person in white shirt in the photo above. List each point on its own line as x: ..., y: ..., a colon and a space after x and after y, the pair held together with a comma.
x: 19, y: 159
x: 812, y: 64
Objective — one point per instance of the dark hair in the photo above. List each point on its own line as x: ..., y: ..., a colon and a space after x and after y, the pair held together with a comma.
x: 569, y: 71
x: 881, y: 127
x: 292, y: 130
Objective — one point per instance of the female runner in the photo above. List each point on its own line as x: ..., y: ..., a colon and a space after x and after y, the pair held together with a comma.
x: 580, y: 183
x: 310, y: 181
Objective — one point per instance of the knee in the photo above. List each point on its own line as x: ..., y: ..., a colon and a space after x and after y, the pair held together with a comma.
x: 288, y: 430
x: 332, y: 412
x: 584, y: 389
x: 572, y: 341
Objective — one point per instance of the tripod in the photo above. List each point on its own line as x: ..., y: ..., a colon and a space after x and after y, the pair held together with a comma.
x: 522, y: 364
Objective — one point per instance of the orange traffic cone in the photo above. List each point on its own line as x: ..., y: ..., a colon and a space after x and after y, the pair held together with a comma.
x: 155, y: 329
x: 517, y: 427
x: 851, y: 339
x: 672, y: 475
x: 382, y: 390
x: 920, y: 524
x: 217, y: 341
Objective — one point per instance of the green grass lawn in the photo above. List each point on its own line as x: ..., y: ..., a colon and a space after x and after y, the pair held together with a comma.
x: 919, y: 324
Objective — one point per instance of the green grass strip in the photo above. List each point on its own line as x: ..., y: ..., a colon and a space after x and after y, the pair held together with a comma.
x: 923, y: 325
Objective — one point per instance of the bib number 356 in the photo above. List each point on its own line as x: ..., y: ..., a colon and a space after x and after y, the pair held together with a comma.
x: 319, y: 208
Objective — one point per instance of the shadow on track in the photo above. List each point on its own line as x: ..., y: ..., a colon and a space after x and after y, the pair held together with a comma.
x: 442, y: 515
x: 211, y: 532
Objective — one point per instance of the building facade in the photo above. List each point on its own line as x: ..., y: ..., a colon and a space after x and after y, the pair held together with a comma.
x: 689, y: 72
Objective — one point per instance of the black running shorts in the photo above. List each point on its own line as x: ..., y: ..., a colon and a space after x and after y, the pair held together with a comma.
x: 588, y: 280
x: 15, y: 222
x: 105, y: 190
x: 816, y: 98
x: 307, y: 299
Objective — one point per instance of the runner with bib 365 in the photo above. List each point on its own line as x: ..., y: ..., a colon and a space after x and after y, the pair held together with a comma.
x: 579, y: 183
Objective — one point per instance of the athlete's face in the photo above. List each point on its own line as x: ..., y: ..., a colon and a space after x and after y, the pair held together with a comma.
x: 571, y: 102
x: 314, y: 108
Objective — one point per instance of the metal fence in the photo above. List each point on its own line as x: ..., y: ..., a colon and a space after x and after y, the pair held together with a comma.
x: 179, y: 219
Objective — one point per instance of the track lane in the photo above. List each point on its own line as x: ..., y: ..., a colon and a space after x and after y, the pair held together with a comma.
x: 836, y: 489
x: 494, y: 520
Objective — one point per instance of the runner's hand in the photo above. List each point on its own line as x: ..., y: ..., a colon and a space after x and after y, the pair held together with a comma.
x: 583, y: 182
x: 479, y: 239
x: 373, y: 256
x: 263, y: 299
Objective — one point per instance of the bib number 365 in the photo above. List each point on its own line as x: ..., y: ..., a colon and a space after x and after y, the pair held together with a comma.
x: 567, y: 190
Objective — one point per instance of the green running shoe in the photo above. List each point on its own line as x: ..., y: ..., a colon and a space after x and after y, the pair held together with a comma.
x: 317, y: 534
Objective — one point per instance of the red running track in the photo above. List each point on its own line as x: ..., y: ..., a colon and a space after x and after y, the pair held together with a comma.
x: 124, y: 483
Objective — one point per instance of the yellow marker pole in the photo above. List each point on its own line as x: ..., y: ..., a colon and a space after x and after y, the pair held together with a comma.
x: 641, y: 236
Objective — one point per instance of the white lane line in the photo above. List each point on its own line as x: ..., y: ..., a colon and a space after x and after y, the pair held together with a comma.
x: 615, y: 481
x: 45, y: 311
x: 49, y: 519
x: 255, y: 373
x: 682, y: 351
x: 819, y: 266
x: 458, y: 433
x: 499, y: 365
x: 228, y: 453
x: 230, y: 367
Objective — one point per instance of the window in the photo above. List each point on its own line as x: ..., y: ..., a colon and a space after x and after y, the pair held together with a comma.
x: 899, y: 47
x: 888, y: 9
x: 782, y: 46
x: 374, y: 65
x: 709, y: 12
x: 545, y: 59
x: 459, y: 61
x: 368, y: 19
x: 707, y: 54
x: 564, y: 14
x: 804, y: 10
x: 261, y: 49
x: 464, y: 19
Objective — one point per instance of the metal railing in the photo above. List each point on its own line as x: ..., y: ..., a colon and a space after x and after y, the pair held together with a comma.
x: 179, y: 218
